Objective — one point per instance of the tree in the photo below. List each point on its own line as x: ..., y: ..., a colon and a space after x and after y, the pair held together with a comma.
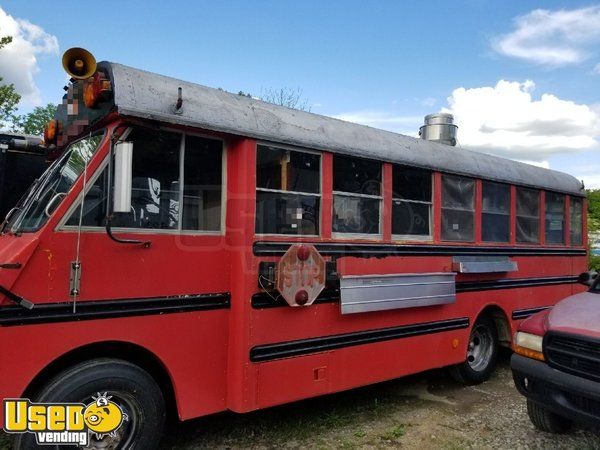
x: 289, y: 97
x: 9, y: 99
x: 34, y: 122
x: 593, y: 196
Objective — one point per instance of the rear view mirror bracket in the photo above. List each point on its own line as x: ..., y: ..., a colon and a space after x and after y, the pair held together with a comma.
x: 120, y: 200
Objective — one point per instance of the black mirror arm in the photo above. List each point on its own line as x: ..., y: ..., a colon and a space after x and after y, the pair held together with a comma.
x: 145, y: 244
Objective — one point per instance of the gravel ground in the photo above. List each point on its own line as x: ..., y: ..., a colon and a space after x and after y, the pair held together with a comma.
x: 426, y: 411
x: 423, y: 412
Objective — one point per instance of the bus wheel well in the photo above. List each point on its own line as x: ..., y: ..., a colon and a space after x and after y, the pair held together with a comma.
x: 112, y: 349
x: 501, y: 321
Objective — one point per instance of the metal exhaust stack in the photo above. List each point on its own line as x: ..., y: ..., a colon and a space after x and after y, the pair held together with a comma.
x: 439, y: 127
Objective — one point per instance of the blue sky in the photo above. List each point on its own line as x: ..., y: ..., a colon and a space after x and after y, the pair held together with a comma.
x: 383, y: 63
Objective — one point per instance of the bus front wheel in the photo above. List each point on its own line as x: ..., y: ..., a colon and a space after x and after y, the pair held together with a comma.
x: 482, y: 353
x: 138, y: 399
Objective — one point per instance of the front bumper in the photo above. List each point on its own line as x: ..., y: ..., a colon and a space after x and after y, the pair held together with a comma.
x: 569, y: 396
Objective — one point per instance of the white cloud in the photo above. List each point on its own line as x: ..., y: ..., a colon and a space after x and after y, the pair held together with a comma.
x: 18, y: 60
x: 597, y: 69
x: 553, y: 38
x: 506, y: 120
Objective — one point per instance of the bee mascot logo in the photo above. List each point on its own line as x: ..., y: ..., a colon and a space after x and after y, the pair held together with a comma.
x: 64, y: 423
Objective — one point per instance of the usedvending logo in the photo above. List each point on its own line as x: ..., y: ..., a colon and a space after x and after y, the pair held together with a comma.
x: 64, y: 423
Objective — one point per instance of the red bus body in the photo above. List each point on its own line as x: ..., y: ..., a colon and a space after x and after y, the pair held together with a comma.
x: 226, y: 347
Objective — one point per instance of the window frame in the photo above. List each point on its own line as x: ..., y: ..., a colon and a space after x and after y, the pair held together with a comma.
x: 476, y: 196
x: 541, y: 217
x: 366, y: 236
x: 280, y: 191
x: 565, y: 218
x: 581, y: 224
x: 415, y: 237
x: 63, y: 227
x: 509, y: 214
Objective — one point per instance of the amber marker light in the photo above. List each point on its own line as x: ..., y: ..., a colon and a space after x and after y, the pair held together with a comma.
x: 529, y: 345
x: 51, y: 132
x: 95, y: 89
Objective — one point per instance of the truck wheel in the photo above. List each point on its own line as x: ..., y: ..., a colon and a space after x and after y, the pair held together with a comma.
x: 546, y: 420
x: 130, y: 387
x: 482, y: 353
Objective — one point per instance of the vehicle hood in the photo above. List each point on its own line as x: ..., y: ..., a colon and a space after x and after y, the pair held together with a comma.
x: 15, y: 250
x: 578, y: 314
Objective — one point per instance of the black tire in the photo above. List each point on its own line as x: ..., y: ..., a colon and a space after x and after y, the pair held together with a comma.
x: 131, y: 387
x: 480, y: 362
x: 546, y: 420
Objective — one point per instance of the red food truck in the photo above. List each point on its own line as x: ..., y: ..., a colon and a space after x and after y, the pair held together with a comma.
x: 192, y: 251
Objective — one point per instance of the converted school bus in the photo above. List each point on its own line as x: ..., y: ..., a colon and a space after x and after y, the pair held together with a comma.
x: 434, y: 254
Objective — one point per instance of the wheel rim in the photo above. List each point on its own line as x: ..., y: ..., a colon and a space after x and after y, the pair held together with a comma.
x: 126, y: 434
x: 481, y: 348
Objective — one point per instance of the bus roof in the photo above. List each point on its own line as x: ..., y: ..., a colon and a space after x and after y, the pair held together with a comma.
x: 147, y: 95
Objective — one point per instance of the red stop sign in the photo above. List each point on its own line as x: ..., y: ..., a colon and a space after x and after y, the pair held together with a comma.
x: 301, y: 275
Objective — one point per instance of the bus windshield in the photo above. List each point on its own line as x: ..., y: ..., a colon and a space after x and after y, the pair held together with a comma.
x: 45, y: 195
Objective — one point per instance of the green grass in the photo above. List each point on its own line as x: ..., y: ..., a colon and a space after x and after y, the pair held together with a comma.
x: 394, y: 433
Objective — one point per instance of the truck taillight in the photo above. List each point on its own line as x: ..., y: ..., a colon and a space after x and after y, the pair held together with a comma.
x: 96, y: 88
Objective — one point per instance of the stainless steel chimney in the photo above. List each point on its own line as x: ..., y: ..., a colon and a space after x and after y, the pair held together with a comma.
x: 439, y: 127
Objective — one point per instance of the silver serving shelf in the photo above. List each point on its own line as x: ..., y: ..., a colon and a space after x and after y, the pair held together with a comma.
x: 367, y: 293
x: 483, y: 264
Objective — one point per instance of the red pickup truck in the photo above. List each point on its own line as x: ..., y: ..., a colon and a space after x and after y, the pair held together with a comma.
x: 556, y: 363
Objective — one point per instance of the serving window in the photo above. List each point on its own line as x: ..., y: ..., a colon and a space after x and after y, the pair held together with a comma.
x: 576, y: 220
x: 458, y: 208
x: 555, y: 218
x: 357, y: 196
x: 528, y: 216
x: 288, y: 191
x: 411, y: 202
x: 176, y: 185
x: 495, y: 212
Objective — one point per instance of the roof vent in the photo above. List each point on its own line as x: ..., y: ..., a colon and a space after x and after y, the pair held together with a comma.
x: 439, y: 127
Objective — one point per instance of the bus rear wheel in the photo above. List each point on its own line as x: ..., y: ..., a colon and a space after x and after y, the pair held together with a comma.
x: 130, y: 387
x: 482, y: 353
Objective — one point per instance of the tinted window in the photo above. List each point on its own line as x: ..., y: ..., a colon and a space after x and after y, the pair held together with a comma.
x: 287, y: 191
x: 458, y: 200
x: 411, y: 184
x: 555, y: 218
x: 156, y: 185
x: 411, y: 204
x: 287, y: 170
x: 576, y: 223
x: 202, y: 177
x: 357, y: 195
x: 358, y: 176
x: 528, y: 215
x: 495, y: 216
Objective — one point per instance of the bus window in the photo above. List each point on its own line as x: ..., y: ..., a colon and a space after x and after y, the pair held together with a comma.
x: 576, y: 221
x: 528, y: 216
x: 495, y: 213
x: 288, y: 191
x: 356, y: 196
x: 458, y: 208
x: 156, y: 185
x: 555, y: 218
x: 411, y: 204
x: 202, y: 181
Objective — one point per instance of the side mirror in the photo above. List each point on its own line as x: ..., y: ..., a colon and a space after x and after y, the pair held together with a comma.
x: 587, y: 278
x: 122, y: 177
